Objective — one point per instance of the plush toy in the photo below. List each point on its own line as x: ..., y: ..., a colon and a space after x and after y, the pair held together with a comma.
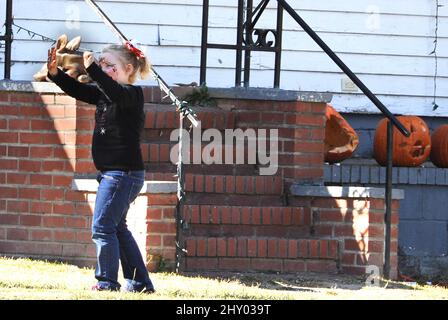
x: 68, y: 59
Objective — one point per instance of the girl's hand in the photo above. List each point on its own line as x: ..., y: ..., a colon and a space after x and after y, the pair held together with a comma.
x: 88, y: 59
x: 51, y: 62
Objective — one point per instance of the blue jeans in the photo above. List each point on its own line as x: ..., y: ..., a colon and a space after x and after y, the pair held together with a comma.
x: 114, y: 242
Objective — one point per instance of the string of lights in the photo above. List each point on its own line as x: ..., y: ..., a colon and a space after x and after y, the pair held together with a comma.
x: 32, y: 34
x: 436, y: 58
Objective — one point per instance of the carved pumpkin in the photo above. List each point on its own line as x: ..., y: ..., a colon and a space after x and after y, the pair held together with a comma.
x: 340, y: 138
x: 439, y: 147
x: 409, y: 151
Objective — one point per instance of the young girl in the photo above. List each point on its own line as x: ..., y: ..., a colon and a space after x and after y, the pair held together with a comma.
x: 119, y: 121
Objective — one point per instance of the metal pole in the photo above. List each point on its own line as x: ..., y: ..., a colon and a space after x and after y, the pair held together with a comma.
x: 204, y: 42
x: 239, y: 43
x: 248, y: 52
x: 278, y: 44
x: 8, y: 40
x: 343, y: 67
x: 388, y: 198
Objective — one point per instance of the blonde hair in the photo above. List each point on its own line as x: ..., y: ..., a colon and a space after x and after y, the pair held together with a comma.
x: 142, y: 65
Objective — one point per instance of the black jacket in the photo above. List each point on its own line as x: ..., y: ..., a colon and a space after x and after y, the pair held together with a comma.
x: 119, y: 118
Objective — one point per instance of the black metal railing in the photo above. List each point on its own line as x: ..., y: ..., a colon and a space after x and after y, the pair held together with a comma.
x: 245, y: 43
x: 249, y: 38
x: 7, y: 38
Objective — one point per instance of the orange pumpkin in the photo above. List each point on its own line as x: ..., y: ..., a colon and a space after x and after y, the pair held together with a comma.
x: 409, y: 151
x: 340, y: 138
x: 439, y: 147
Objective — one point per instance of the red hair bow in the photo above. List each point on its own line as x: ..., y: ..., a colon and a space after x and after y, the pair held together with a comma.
x: 139, y: 54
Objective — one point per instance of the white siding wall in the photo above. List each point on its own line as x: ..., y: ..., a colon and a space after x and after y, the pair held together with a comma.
x: 387, y: 43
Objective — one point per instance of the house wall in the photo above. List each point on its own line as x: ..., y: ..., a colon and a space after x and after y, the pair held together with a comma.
x: 386, y: 43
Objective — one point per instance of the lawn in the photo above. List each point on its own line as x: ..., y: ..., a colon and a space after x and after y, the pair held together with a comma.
x: 42, y: 280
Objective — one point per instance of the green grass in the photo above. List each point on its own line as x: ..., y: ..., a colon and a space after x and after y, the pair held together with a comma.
x: 41, y: 280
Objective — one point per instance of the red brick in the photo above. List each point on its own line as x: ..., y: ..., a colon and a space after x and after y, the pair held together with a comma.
x: 76, y: 222
x: 30, y: 165
x: 64, y: 236
x: 156, y: 241
x: 162, y: 227
x: 40, y: 235
x: 32, y: 138
x: 266, y: 216
x: 52, y: 194
x: 41, y: 125
x: 9, y: 219
x: 226, y: 215
x: 198, y: 264
x: 53, y: 221
x: 9, y: 137
x: 221, y: 247
x: 190, y: 245
x: 292, y: 248
x: 17, y: 234
x: 236, y: 215
x: 242, y: 247
x: 19, y: 124
x: 266, y: 264
x: 303, y: 248
x: 154, y: 213
x: 55, y: 111
x: 17, y: 206
x: 219, y: 184
x: 40, y: 179
x: 8, y: 192
x: 277, y: 216
x: 256, y: 216
x: 272, y: 248
x: 28, y: 193
x: 321, y: 266
x: 314, y: 248
x: 195, y: 214
x: 211, y: 247
x: 251, y: 247
x: 9, y: 110
x: 287, y: 216
x: 234, y: 264
x: 41, y: 207
x: 294, y: 266
x: 20, y: 152
x: 201, y: 247
x: 30, y: 220
x: 230, y: 184
x: 215, y: 215
x: 282, y: 248
x: 170, y: 199
x: 245, y: 215
x: 64, y: 99
x: 49, y: 165
x: 231, y: 247
x: 63, y: 208
x: 205, y: 218
x: 63, y: 181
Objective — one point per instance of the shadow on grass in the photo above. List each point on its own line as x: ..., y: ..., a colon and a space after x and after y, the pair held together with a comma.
x: 301, y: 282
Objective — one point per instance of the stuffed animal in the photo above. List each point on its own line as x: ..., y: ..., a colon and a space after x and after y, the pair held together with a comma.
x: 68, y: 59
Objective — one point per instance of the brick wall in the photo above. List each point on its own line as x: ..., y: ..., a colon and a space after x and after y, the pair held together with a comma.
x: 45, y: 141
x: 235, y: 218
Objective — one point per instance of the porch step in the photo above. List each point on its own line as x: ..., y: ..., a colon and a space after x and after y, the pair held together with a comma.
x: 246, y: 215
x: 229, y: 184
x: 267, y: 254
x: 224, y: 199
x: 202, y: 169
